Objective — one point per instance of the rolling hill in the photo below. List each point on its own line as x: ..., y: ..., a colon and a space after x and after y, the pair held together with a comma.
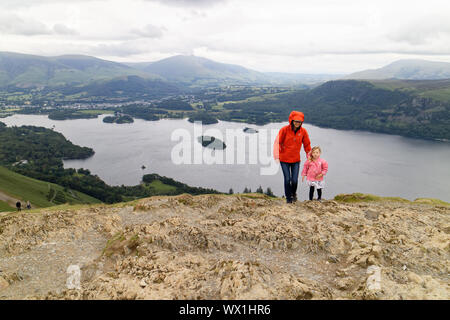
x: 23, y: 70
x: 31, y: 71
x: 352, y: 105
x: 435, y: 89
x: 406, y: 69
x: 16, y: 186
x: 126, y: 86
x: 26, y: 71
x: 283, y: 78
x: 360, y: 105
x: 197, y: 70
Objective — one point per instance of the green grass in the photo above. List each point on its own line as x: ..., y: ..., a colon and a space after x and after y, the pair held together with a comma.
x: 96, y: 111
x: 361, y: 197
x: 12, y: 110
x: 160, y: 187
x: 255, y: 98
x: 439, y: 94
x: 435, y: 89
x: 196, y: 105
x: 5, y: 207
x: 432, y: 201
x: 25, y: 188
x: 118, y: 237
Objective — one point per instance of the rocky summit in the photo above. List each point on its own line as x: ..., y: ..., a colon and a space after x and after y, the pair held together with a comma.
x: 227, y: 247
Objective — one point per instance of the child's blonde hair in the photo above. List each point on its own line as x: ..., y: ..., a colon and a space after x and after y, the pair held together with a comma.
x: 316, y: 148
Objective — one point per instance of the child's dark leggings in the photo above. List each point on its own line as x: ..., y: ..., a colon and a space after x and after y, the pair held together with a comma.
x: 311, y: 193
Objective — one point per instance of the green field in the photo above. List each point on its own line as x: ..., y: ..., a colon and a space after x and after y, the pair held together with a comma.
x: 36, y: 191
x: 96, y: 111
x: 434, y: 89
x: 161, y: 188
x: 438, y: 94
x: 362, y: 197
x: 262, y: 97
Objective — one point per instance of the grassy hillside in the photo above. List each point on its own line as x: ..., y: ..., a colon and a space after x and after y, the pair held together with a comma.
x: 123, y: 88
x: 37, y: 192
x: 353, y: 105
x: 23, y: 70
x: 200, y: 71
x: 5, y: 207
x: 161, y: 188
x: 435, y: 89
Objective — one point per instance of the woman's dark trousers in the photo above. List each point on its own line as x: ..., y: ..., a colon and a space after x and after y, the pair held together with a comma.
x: 290, y: 173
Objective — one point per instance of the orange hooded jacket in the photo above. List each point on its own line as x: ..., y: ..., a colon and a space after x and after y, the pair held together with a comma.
x: 288, y: 143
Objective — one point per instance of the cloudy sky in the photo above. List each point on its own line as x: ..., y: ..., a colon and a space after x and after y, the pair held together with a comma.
x: 314, y: 36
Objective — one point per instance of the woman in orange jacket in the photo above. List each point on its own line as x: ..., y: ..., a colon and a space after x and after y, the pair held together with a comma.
x: 287, y: 148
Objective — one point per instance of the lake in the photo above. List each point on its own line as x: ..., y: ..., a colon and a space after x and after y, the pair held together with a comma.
x: 385, y: 165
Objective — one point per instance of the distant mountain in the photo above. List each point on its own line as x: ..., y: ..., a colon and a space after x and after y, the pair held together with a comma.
x: 406, y: 69
x: 23, y: 70
x: 201, y: 71
x: 300, y: 78
x: 196, y: 69
x: 32, y: 71
x: 127, y: 86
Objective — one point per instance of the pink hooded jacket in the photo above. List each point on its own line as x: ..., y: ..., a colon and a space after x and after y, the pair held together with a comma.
x: 312, y: 168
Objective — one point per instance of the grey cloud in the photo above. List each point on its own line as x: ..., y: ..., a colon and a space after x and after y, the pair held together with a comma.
x: 140, y: 46
x: 414, y: 36
x: 149, y: 31
x: 421, y: 31
x: 189, y: 3
x: 123, y: 49
x: 199, y: 14
x: 29, y: 3
x: 311, y: 51
x: 63, y: 30
x: 13, y: 24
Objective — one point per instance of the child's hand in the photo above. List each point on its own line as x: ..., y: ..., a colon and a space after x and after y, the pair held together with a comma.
x: 319, y: 176
x: 303, y: 178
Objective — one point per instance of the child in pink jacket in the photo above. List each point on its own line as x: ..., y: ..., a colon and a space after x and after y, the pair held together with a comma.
x: 314, y: 169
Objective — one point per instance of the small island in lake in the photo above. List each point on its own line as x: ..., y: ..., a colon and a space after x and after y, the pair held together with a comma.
x: 203, y: 117
x: 250, y: 130
x: 118, y: 119
x: 70, y: 115
x: 211, y: 142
